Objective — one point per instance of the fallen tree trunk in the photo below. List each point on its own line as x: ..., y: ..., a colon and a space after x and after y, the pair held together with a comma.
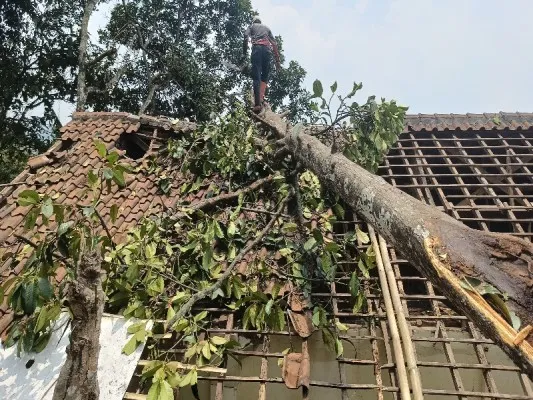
x: 443, y: 249
x: 78, y: 378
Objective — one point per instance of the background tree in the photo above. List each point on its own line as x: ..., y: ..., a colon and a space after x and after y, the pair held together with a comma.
x: 38, y: 45
x: 153, y: 56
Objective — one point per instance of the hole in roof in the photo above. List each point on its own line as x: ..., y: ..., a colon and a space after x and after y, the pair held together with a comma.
x: 65, y: 144
x: 135, y: 146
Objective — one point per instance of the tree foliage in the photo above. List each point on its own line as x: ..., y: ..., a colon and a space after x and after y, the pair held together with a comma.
x: 153, y: 56
x: 170, y: 258
x: 38, y: 44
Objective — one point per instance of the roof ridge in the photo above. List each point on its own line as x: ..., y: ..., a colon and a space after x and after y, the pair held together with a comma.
x: 469, y: 121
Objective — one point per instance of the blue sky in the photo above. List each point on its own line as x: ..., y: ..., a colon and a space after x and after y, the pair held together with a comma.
x: 435, y: 56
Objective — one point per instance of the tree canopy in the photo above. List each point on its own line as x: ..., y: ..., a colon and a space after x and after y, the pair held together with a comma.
x: 38, y: 46
x: 153, y: 56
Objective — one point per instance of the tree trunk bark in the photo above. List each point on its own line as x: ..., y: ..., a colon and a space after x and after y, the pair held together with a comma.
x: 78, y: 378
x: 443, y: 249
x: 82, y: 55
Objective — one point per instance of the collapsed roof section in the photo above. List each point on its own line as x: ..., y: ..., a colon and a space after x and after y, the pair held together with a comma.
x: 62, y: 171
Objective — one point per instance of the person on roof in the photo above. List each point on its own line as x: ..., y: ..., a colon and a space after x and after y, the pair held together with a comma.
x: 263, y: 44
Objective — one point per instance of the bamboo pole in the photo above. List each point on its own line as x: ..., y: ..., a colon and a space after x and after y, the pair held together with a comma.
x: 405, y: 333
x: 391, y: 318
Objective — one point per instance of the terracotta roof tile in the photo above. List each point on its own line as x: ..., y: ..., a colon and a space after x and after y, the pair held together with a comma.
x: 464, y: 122
x: 64, y: 173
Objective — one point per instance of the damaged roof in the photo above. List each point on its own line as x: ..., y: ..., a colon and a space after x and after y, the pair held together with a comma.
x: 61, y: 172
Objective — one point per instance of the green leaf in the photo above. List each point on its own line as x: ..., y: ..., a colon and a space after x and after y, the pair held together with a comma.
x: 45, y: 288
x: 42, y: 319
x: 318, y: 236
x: 28, y: 198
x: 232, y: 228
x: 354, y: 284
x: 41, y: 342
x: 207, y: 258
x: 363, y: 268
x: 497, y: 302
x: 275, y: 290
x: 317, y: 88
x: 362, y: 236
x: 190, y: 379
x: 130, y: 346
x: 218, y: 230
x: 92, y: 179
x: 150, y: 250
x: 156, y: 286
x: 285, y: 252
x: 341, y: 326
x: 333, y: 87
x: 358, y: 303
x: 31, y: 219
x: 339, y: 348
x: 64, y: 227
x: 112, y: 157
x: 339, y: 211
x: 118, y: 177
x: 281, y: 318
x: 47, y: 208
x: 316, y: 317
x: 191, y: 351
x: 151, y: 368
x: 201, y: 316
x: 29, y: 297
x: 289, y: 227
x: 113, y: 212
x: 108, y: 174
x: 218, y: 340
x: 332, y: 247
x: 206, y: 351
x: 516, y: 323
x: 268, y: 306
x: 253, y: 314
x: 356, y: 87
x: 170, y: 313
x: 160, y: 390
x: 88, y: 212
x: 177, y: 297
x: 174, y: 380
x: 310, y: 244
x: 100, y: 148
x: 59, y: 212
x: 134, y: 328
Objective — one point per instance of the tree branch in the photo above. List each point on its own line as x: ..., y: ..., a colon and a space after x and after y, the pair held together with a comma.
x: 186, y: 308
x: 152, y: 88
x: 226, y: 196
x: 82, y: 56
x: 108, y: 53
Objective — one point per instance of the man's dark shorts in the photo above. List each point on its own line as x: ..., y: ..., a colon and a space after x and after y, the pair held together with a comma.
x: 261, y: 60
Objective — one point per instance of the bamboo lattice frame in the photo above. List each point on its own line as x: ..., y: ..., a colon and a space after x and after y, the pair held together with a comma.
x: 484, y: 179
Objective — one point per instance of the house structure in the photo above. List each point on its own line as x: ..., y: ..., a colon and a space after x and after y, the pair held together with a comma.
x: 475, y: 167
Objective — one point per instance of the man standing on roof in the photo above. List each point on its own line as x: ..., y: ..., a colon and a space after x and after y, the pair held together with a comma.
x: 263, y: 43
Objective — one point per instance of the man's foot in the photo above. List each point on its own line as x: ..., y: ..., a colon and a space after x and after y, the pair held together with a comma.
x: 257, y: 109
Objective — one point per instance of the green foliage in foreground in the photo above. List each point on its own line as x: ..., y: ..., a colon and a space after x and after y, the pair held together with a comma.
x: 170, y: 257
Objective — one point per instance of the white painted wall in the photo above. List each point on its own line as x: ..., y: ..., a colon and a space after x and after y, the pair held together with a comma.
x: 37, y: 382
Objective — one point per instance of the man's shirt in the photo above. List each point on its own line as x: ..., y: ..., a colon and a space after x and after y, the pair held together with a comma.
x: 260, y: 34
